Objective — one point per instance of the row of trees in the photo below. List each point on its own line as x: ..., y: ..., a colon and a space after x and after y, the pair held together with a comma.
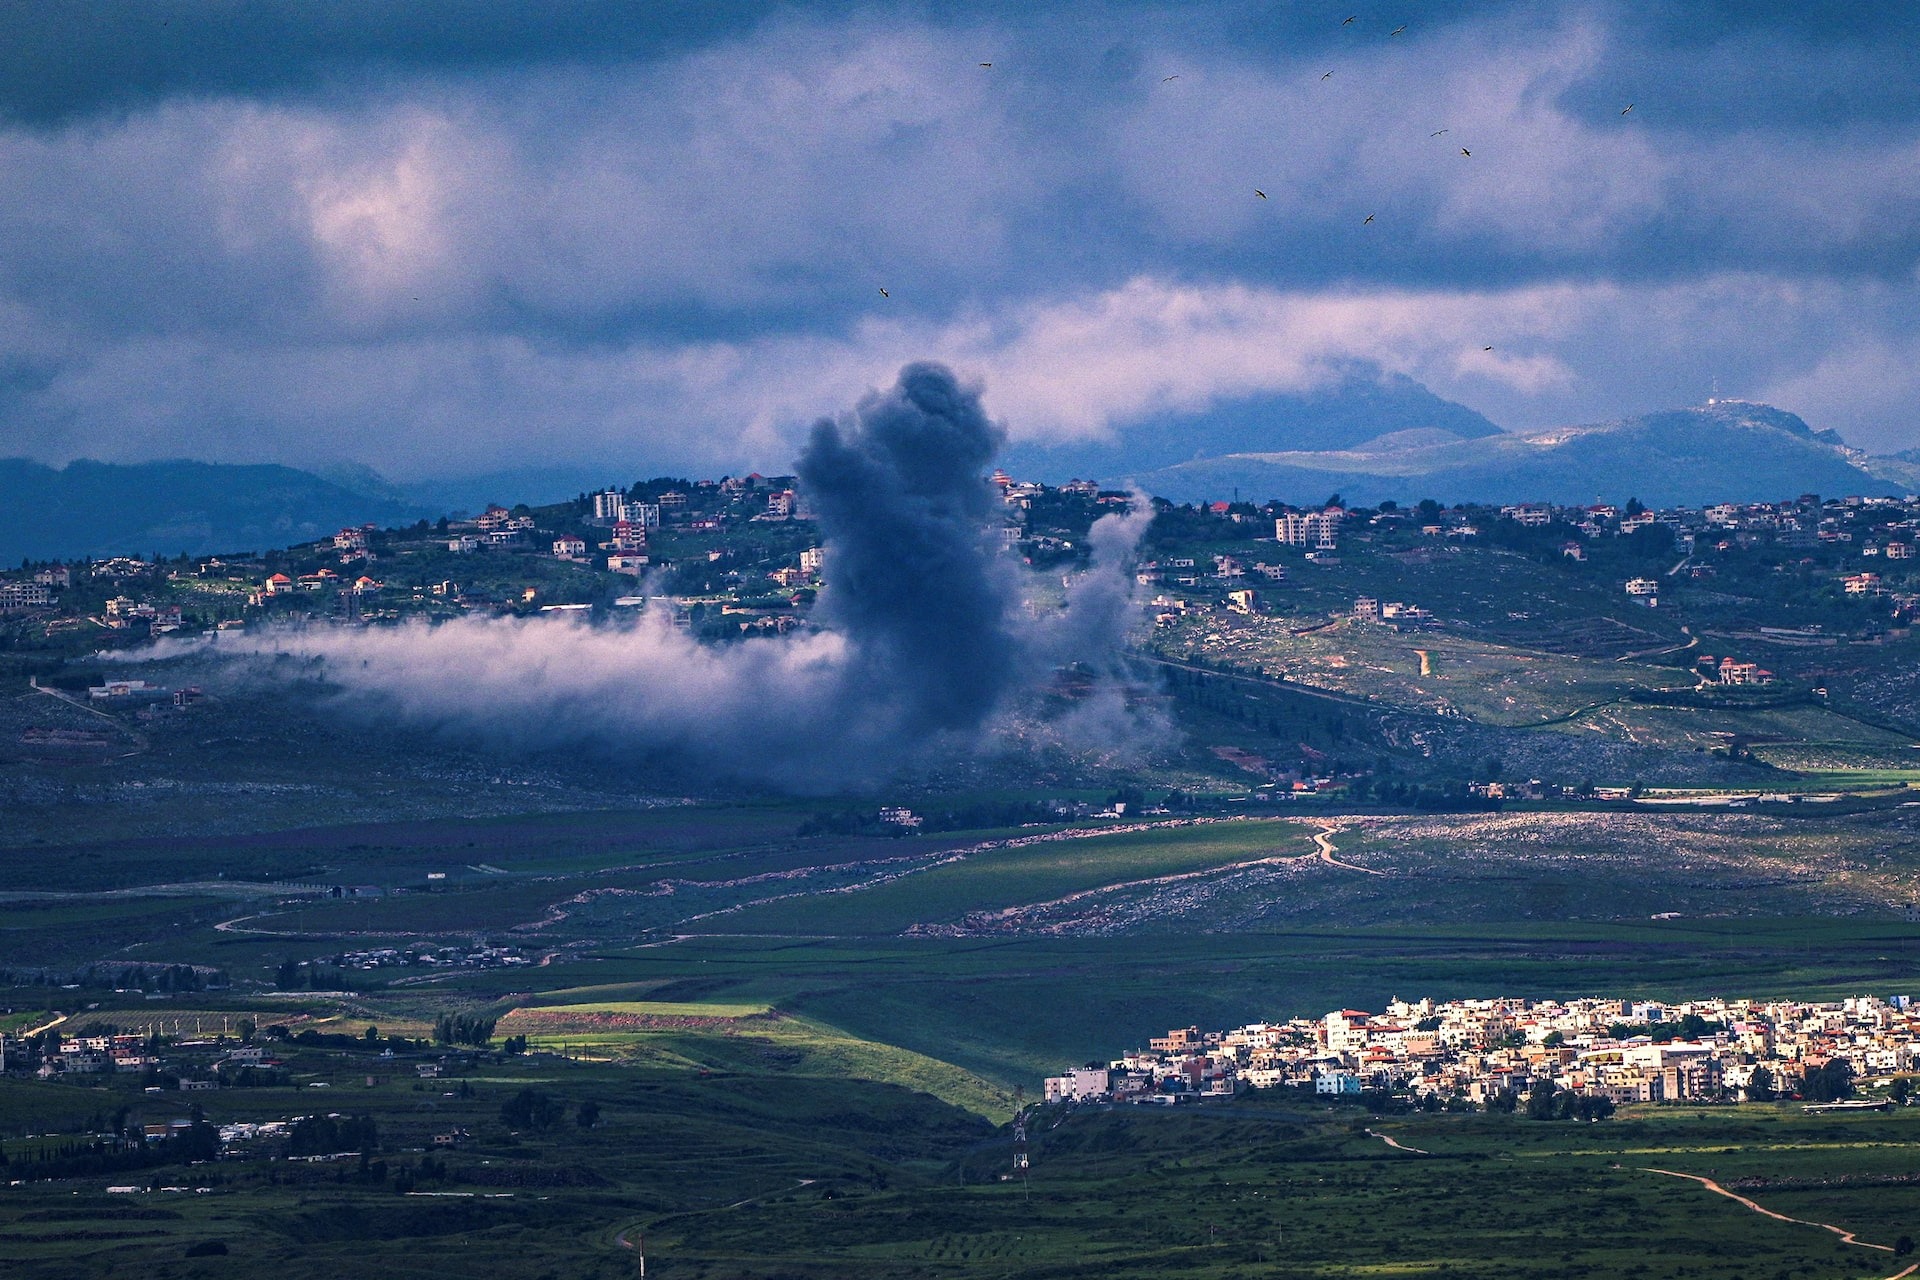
x: 200, y: 1141
x: 137, y: 977
x: 326, y: 1135
x: 295, y: 976
x: 464, y: 1028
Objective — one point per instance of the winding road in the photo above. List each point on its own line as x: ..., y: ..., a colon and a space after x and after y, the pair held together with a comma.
x: 1396, y: 1144
x: 1323, y: 840
x: 1845, y: 1235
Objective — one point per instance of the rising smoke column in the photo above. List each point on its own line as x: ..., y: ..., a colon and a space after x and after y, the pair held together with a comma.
x: 920, y: 640
x: 925, y: 606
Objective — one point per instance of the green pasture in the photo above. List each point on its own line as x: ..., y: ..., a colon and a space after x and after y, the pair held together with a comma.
x: 71, y: 932
x: 759, y: 1174
x: 780, y: 1046
x: 585, y: 1012
x: 399, y: 854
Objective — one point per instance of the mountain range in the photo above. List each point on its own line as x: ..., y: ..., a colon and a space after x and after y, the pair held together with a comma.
x: 1366, y: 436
x: 96, y: 509
x: 1370, y: 435
x: 1359, y: 404
x: 1723, y: 451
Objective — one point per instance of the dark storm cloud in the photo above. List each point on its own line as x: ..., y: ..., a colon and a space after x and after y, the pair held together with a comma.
x: 921, y: 640
x: 65, y: 59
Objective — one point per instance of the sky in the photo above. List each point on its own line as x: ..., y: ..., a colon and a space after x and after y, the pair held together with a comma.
x: 454, y: 236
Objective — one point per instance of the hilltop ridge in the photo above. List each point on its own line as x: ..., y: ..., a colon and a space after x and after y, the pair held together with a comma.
x: 1725, y: 450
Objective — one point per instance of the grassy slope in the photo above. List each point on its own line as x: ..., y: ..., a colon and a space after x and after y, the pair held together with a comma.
x: 760, y: 1175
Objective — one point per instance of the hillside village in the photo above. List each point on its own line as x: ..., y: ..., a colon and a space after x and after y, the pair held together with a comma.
x: 1805, y: 601
x: 1494, y: 1054
x: 741, y: 555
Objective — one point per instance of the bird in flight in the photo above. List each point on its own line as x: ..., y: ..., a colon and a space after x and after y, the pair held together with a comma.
x: 1349, y: 21
x: 986, y: 64
x: 1436, y: 133
x: 1369, y: 219
x: 1486, y: 348
x: 1626, y: 108
x: 1397, y: 30
x: 1170, y: 78
x: 885, y: 294
x: 1257, y: 191
x: 1465, y: 152
x: 1327, y: 76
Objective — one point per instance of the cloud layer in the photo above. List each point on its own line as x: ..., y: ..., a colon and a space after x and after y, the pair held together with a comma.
x: 300, y: 236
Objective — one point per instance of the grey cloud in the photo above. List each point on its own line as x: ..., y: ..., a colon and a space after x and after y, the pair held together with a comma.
x: 499, y: 223
x: 70, y: 59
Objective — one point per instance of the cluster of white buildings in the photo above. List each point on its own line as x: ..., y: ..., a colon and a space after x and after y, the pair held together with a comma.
x: 87, y: 1055
x: 1477, y: 1050
x: 478, y: 957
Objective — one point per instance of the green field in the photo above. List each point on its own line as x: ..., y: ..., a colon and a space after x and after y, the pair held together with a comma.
x: 805, y: 1048
x: 773, y: 1170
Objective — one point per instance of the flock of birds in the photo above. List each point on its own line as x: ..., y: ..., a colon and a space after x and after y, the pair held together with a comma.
x: 1345, y: 22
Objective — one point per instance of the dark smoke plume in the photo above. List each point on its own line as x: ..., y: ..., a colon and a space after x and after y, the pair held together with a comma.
x: 921, y: 639
x: 901, y: 496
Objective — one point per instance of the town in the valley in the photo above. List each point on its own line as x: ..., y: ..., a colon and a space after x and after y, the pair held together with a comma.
x: 1499, y: 1054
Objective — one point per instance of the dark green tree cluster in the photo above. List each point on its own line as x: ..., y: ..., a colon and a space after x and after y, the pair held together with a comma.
x: 464, y: 1028
x: 90, y: 1159
x: 1451, y: 797
x: 1690, y: 1027
x: 406, y: 1178
x: 1830, y: 1083
x: 1547, y: 1101
x: 172, y: 977
x: 532, y: 1109
x: 327, y: 1135
x: 245, y: 1076
x: 294, y: 976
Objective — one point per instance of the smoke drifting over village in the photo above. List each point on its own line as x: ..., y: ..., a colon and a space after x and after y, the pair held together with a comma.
x: 921, y: 638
